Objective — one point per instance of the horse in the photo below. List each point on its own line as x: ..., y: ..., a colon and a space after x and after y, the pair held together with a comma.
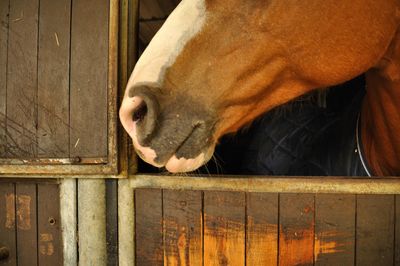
x: 217, y: 65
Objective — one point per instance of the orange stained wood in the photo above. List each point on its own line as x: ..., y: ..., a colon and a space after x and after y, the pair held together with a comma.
x: 24, y: 212
x: 324, y: 245
x: 224, y: 228
x: 262, y: 229
x: 182, y: 224
x: 10, y: 210
x: 296, y: 232
x: 223, y: 241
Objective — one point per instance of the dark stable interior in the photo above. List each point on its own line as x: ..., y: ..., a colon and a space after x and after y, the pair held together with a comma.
x: 292, y: 138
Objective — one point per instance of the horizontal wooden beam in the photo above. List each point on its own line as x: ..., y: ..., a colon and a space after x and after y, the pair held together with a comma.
x: 270, y: 184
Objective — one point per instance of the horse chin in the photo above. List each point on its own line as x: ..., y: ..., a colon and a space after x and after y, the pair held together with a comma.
x: 181, y: 165
x: 175, y: 164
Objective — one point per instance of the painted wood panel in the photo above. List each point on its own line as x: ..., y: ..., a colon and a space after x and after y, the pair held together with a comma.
x: 22, y: 79
x: 88, y: 92
x: 49, y: 237
x: 334, y: 229
x: 261, y: 229
x: 224, y: 228
x: 149, y: 237
x: 7, y: 223
x: 53, y: 78
x: 375, y: 230
x: 4, y: 15
x: 26, y: 221
x: 296, y: 235
x: 183, y: 239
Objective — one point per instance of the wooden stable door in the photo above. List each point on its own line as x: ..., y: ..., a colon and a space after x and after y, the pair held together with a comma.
x: 30, y: 229
x: 237, y: 228
x: 58, y: 84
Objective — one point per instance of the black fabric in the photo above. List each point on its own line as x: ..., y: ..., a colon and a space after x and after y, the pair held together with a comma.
x: 300, y: 138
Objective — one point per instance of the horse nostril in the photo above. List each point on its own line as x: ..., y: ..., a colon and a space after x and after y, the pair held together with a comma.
x: 140, y: 112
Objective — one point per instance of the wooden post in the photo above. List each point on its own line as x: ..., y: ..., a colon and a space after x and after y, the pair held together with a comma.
x: 68, y: 214
x: 126, y: 223
x: 92, y: 222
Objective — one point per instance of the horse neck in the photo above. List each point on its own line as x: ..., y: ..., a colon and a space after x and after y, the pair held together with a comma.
x: 380, y: 117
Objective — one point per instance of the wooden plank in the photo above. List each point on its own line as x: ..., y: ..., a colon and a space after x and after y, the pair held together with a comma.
x: 375, y: 230
x: 49, y: 227
x: 7, y: 222
x: 89, y: 72
x: 262, y: 229
x: 53, y: 78
x: 296, y: 236
x: 26, y: 218
x: 4, y: 12
x: 224, y: 228
x: 149, y: 238
x: 22, y: 79
x: 334, y: 229
x: 397, y: 233
x: 112, y: 221
x: 182, y: 228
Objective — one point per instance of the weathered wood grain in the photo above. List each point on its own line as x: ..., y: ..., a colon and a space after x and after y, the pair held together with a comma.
x: 262, y: 229
x: 7, y: 222
x: 26, y: 221
x: 112, y: 221
x: 149, y: 238
x: 22, y: 79
x: 53, y: 78
x: 224, y: 228
x: 4, y: 15
x: 89, y: 75
x: 296, y: 236
x: 182, y: 228
x: 397, y: 233
x: 375, y: 230
x: 49, y: 232
x: 334, y: 229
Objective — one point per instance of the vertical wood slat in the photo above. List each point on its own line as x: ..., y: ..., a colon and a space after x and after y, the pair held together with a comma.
x: 334, y: 229
x: 22, y: 79
x: 375, y: 230
x: 296, y: 236
x: 89, y: 71
x: 224, y: 228
x: 49, y: 236
x: 26, y: 221
x: 149, y: 238
x: 4, y: 15
x: 53, y: 78
x: 262, y: 229
x: 7, y: 222
x: 397, y: 232
x: 112, y: 221
x: 182, y: 228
